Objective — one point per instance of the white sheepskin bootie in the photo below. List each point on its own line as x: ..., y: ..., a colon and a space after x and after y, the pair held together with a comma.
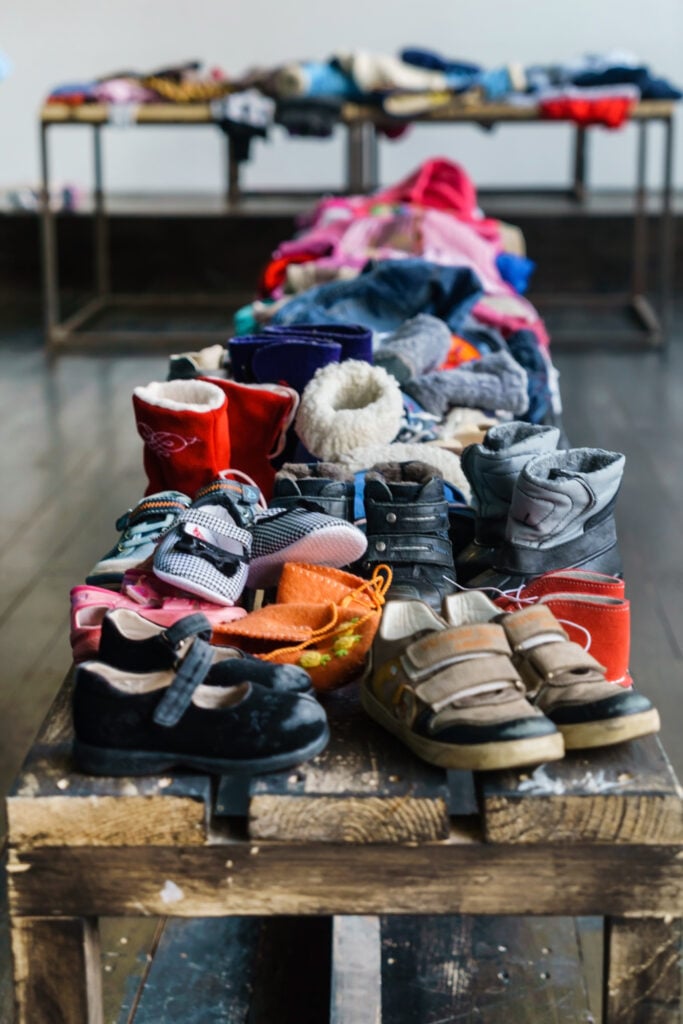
x: 346, y: 406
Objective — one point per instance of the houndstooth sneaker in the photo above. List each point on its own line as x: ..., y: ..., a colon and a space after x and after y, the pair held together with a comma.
x: 300, y: 534
x: 142, y: 527
x: 207, y: 551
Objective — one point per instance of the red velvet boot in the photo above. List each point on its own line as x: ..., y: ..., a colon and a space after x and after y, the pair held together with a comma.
x: 183, y: 426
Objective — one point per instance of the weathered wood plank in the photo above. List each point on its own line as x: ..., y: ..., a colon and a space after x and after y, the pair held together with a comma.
x: 589, y: 936
x: 57, y: 975
x: 128, y: 945
x: 356, y: 994
x: 643, y: 971
x: 486, y: 970
x: 623, y: 794
x: 364, y: 788
x: 279, y: 878
x: 50, y: 804
x: 202, y: 973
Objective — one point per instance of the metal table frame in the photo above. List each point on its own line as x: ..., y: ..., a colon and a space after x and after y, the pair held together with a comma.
x: 362, y: 161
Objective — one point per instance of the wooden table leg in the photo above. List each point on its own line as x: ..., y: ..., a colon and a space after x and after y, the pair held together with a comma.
x: 642, y: 973
x: 57, y: 973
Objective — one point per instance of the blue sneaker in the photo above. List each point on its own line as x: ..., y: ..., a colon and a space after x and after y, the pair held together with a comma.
x: 141, y: 527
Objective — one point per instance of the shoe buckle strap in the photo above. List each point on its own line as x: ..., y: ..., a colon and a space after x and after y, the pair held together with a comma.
x: 190, y: 625
x: 193, y: 670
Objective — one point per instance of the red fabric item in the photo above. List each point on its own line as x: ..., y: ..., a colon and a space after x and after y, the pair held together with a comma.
x: 608, y: 622
x: 184, y: 449
x: 441, y: 185
x: 258, y: 417
x: 609, y: 111
x: 565, y: 581
x: 461, y: 351
x: 275, y: 273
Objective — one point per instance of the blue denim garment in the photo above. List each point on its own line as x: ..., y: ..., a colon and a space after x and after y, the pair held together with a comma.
x: 386, y: 294
x: 433, y: 61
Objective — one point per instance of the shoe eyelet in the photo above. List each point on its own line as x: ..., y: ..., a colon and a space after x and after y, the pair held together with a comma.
x: 391, y: 517
x: 380, y: 546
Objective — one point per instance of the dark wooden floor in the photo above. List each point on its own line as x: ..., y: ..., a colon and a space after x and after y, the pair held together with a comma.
x: 70, y: 462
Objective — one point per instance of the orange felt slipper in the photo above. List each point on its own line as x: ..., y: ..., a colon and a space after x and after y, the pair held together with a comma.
x: 323, y: 620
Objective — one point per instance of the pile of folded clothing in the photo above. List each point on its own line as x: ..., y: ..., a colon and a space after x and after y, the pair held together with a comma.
x: 307, y: 97
x: 438, y: 285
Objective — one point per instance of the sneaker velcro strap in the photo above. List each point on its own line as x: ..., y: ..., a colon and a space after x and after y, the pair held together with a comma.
x: 412, y: 518
x: 470, y: 676
x: 153, y: 508
x: 529, y: 624
x: 223, y: 527
x: 413, y: 549
x: 446, y: 647
x: 193, y: 670
x: 554, y: 661
x: 183, y: 629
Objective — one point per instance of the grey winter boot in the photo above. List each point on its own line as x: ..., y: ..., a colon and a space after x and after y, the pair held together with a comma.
x: 492, y: 468
x: 561, y: 516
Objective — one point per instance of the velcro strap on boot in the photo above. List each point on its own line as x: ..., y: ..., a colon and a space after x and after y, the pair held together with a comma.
x: 553, y: 661
x: 409, y: 549
x: 475, y: 674
x: 532, y: 626
x: 411, y: 517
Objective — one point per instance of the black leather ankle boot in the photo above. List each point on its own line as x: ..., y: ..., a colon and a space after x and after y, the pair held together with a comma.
x: 407, y: 528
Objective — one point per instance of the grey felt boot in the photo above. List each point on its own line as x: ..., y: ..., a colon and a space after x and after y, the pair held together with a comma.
x: 561, y: 516
x: 492, y: 468
x: 418, y: 346
x: 496, y: 381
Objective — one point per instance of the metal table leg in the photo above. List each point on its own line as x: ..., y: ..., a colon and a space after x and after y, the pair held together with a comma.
x: 640, y: 225
x: 666, y: 247
x: 49, y: 257
x: 580, y: 163
x: 361, y: 157
x: 100, y: 225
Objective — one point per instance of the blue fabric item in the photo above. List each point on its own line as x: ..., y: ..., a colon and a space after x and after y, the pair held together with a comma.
x: 244, y: 320
x: 524, y: 347
x: 422, y: 58
x: 6, y: 66
x: 651, y: 88
x: 87, y: 88
x: 516, y: 270
x: 386, y: 294
x: 327, y: 79
x: 496, y: 84
x: 355, y: 340
x: 293, y: 361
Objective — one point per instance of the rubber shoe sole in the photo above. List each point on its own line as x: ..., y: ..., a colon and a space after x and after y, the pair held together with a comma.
x: 107, y: 761
x: 479, y: 757
x: 335, y: 546
x: 606, y: 733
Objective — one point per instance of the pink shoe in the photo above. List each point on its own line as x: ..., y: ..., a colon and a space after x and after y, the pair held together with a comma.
x: 89, y: 605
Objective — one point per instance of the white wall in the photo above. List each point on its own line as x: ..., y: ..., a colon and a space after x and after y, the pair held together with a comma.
x: 51, y: 42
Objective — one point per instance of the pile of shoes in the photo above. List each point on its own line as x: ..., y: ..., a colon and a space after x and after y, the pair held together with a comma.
x: 332, y: 500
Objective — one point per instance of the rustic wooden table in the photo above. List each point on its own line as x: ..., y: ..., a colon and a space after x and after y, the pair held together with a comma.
x: 364, y: 830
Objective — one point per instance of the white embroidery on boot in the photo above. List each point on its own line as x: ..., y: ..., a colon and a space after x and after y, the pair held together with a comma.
x: 163, y: 443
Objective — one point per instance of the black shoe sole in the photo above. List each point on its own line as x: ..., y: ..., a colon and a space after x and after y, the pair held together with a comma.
x: 108, y: 761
